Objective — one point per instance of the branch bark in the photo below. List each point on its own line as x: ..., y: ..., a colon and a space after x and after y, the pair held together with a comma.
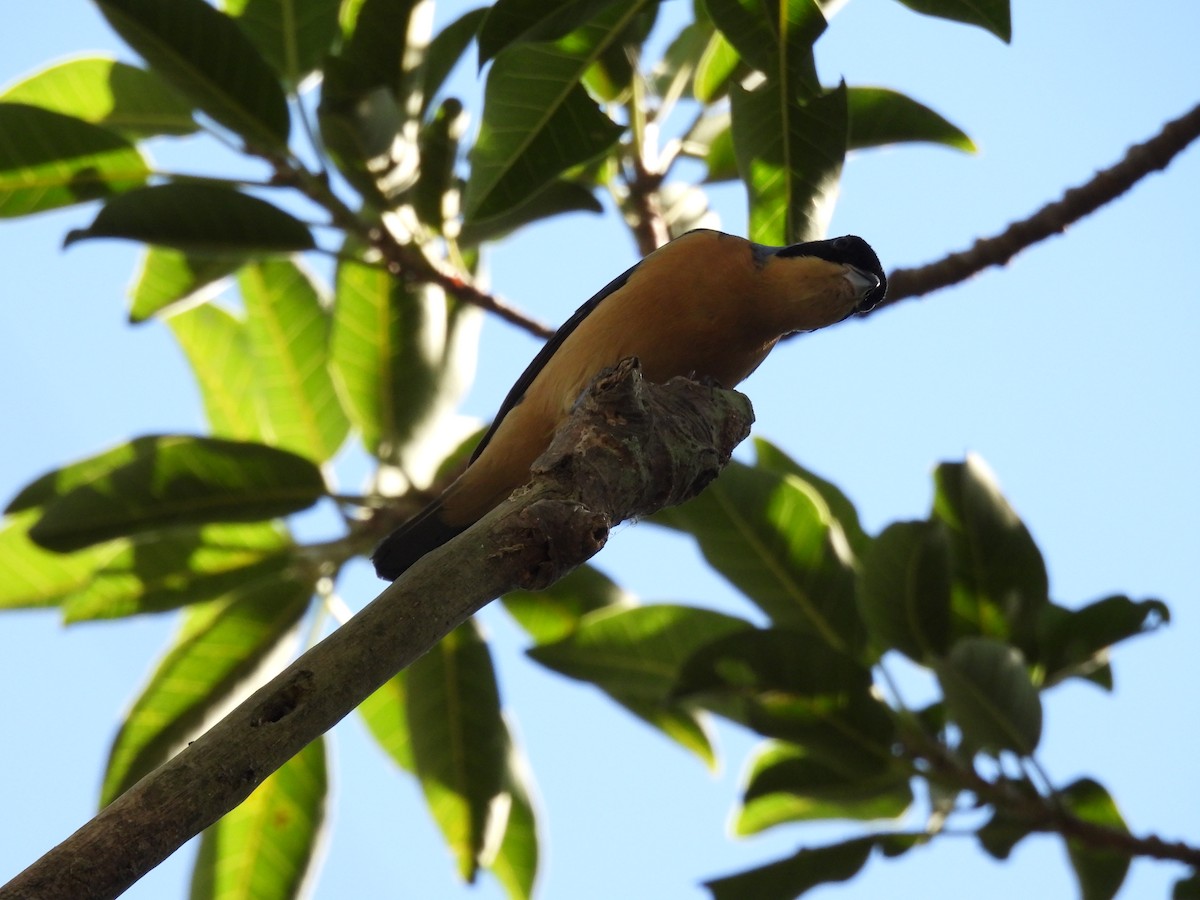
x: 1104, y: 187
x: 629, y: 448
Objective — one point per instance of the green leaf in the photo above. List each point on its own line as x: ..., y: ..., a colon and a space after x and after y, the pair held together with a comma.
x: 635, y: 655
x: 1074, y: 642
x: 218, y: 351
x: 773, y: 459
x: 123, y: 98
x: 218, y: 656
x: 60, y: 481
x: 516, y: 862
x: 460, y: 744
x: 792, y: 686
x: 904, y: 589
x: 435, y: 193
x: 265, y: 848
x: 49, y: 160
x: 715, y: 71
x: 789, y: 153
x: 199, y: 219
x: 554, y: 613
x: 879, y: 116
x: 35, y: 578
x: 292, y: 35
x: 177, y: 480
x: 1000, y: 578
x: 204, y: 54
x: 786, y: 784
x: 775, y: 39
x: 990, y: 696
x: 790, y: 877
x: 1187, y: 888
x: 385, y: 715
x: 774, y: 538
x: 167, y: 277
x: 555, y: 199
x: 676, y: 69
x: 174, y: 567
x: 1100, y: 872
x: 403, y: 357
x: 538, y: 120
x: 990, y: 15
x: 511, y: 22
x: 287, y: 331
x: 1004, y: 830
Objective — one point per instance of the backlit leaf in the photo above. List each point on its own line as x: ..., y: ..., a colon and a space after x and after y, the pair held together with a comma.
x: 990, y: 696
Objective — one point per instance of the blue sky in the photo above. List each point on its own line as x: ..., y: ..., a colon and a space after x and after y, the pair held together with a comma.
x: 1073, y: 372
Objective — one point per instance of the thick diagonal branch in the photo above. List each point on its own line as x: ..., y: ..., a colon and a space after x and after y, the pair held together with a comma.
x: 629, y: 448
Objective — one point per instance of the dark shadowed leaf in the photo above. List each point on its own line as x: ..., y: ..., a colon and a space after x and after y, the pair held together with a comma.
x: 786, y: 784
x: 199, y: 219
x: 224, y: 650
x: 775, y: 539
x: 904, y: 589
x: 204, y: 54
x: 123, y: 98
x: 1187, y: 888
x: 287, y: 333
x: 991, y: 15
x: 1073, y: 642
x: 292, y: 35
x: 436, y: 190
x: 521, y: 21
x: 176, y: 480
x: 788, y: 878
x: 218, y: 351
x: 1000, y: 578
x: 879, y: 116
x: 1100, y: 872
x: 1003, y: 831
x: 266, y: 847
x: 990, y: 696
x: 789, y: 153
x: 554, y: 613
x: 48, y: 160
x: 555, y: 199
x: 444, y: 52
x: 460, y: 743
x: 403, y: 357
x: 167, y: 277
x: 776, y: 40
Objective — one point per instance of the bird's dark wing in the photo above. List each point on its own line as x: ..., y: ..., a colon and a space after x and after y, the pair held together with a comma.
x: 517, y: 393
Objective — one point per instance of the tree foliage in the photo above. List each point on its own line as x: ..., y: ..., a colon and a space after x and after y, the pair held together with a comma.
x: 375, y: 171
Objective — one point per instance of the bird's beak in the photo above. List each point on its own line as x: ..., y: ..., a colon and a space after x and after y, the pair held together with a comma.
x: 863, y: 283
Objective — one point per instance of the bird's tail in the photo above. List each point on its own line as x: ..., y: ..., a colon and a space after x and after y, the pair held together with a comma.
x: 425, y: 531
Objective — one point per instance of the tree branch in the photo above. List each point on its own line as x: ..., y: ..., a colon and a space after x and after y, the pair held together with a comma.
x: 1107, y: 184
x: 629, y: 449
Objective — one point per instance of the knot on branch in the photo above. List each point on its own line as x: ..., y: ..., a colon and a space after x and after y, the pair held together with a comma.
x: 629, y: 448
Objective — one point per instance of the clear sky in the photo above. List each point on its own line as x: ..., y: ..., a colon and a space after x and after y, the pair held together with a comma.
x: 1074, y: 372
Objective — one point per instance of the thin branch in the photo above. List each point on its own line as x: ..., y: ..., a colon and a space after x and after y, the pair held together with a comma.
x: 1108, y: 184
x: 629, y: 449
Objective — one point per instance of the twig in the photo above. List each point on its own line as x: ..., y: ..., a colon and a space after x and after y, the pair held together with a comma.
x: 628, y: 449
x: 1107, y: 184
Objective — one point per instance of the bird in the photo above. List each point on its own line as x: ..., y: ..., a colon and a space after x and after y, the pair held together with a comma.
x: 707, y: 305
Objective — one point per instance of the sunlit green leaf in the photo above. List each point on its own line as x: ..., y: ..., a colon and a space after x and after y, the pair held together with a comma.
x: 516, y: 862
x: 293, y: 35
x: 218, y: 351
x: 216, y: 656
x: 991, y: 15
x: 715, y: 70
x: 403, y: 357
x: 177, y: 480
x: 34, y: 577
x: 204, y: 54
x: 265, y: 847
x: 386, y: 717
x: 788, y: 878
x: 287, y: 329
x: 789, y: 153
x: 1100, y: 872
x: 786, y: 784
x: 460, y: 744
x: 166, y: 277
x: 879, y: 116
x: 990, y: 696
x: 123, y: 98
x: 774, y: 538
x: 554, y: 613
x: 48, y: 160
x: 197, y: 218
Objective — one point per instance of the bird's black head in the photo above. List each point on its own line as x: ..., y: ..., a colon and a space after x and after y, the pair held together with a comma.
x: 850, y: 250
